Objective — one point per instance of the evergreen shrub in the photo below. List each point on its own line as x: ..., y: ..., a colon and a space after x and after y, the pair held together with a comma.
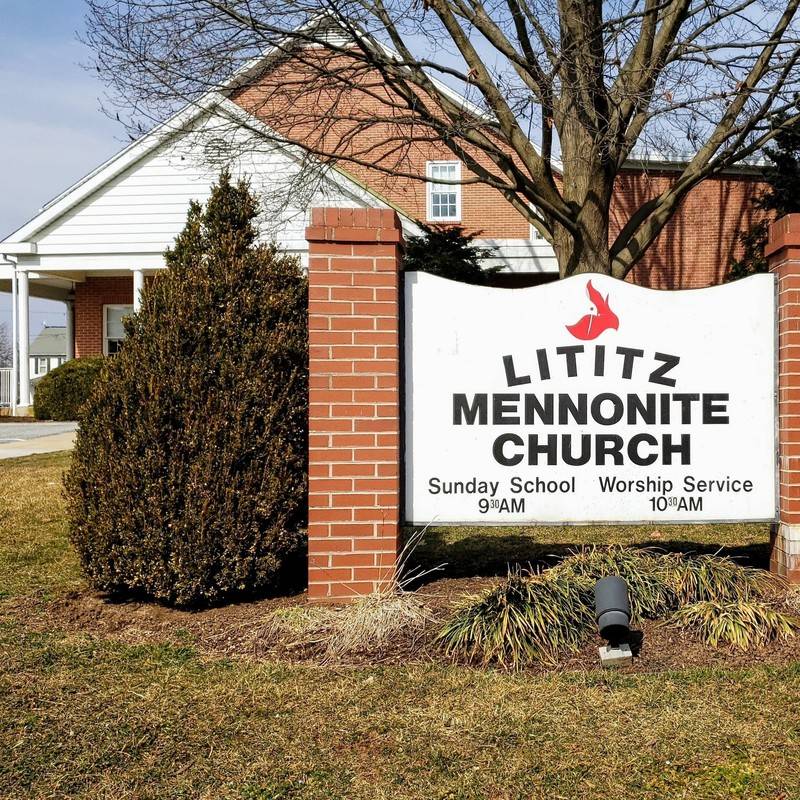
x: 188, y: 482
x: 61, y: 393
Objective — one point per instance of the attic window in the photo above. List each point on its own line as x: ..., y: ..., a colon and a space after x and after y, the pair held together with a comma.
x: 217, y: 153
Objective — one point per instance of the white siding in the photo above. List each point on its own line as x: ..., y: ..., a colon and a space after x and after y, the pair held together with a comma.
x: 144, y: 208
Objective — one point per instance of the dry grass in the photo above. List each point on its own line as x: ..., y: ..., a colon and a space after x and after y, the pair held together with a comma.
x: 83, y: 717
x: 367, y: 627
x: 374, y: 623
x: 35, y: 554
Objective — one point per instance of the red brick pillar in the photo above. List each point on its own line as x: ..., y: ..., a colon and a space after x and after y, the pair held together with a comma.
x: 783, y: 251
x: 354, y: 401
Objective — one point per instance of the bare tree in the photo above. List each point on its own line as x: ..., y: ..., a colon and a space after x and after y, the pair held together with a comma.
x: 6, y: 353
x: 552, y: 98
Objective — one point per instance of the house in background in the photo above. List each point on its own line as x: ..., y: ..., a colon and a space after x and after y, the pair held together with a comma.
x: 48, y: 350
x: 93, y: 246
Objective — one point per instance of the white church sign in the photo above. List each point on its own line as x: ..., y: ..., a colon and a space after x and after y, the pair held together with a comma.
x: 589, y: 400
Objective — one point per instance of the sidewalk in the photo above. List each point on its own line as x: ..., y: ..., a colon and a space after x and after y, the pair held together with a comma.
x: 25, y: 439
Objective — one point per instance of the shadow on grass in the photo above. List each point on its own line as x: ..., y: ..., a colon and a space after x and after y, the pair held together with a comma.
x: 490, y: 552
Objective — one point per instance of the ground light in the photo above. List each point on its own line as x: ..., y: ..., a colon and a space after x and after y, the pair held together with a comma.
x: 613, y: 615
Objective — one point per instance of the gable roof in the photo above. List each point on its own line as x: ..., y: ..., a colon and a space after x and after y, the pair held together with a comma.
x: 19, y: 241
x: 50, y: 341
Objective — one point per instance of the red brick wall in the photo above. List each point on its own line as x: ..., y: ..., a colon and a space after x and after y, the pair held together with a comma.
x: 784, y: 254
x: 696, y: 246
x: 90, y: 297
x: 354, y: 401
x: 694, y: 249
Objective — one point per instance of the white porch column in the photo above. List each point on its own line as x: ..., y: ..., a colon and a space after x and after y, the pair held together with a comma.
x: 14, y: 347
x: 23, y: 339
x: 138, y: 288
x: 69, y: 316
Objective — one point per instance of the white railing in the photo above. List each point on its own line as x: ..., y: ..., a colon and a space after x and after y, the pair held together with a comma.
x: 6, y: 384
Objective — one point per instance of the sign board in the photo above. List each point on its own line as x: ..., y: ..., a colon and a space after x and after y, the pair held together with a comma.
x: 589, y: 400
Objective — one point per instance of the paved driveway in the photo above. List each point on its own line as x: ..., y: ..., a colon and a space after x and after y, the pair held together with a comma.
x: 26, y: 438
x: 22, y: 431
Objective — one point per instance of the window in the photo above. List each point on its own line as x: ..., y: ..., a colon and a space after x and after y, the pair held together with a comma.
x: 535, y: 236
x: 41, y: 365
x: 444, y: 199
x: 113, y: 331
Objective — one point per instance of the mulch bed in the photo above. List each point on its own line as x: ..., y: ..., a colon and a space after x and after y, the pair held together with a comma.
x: 234, y: 631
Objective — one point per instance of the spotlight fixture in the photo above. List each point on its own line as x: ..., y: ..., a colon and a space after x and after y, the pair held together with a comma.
x: 613, y: 614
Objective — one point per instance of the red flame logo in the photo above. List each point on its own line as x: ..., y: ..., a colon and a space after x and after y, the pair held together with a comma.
x: 594, y: 323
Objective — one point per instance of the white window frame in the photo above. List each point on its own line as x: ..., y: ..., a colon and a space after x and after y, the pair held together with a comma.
x: 534, y: 234
x: 456, y: 189
x: 106, y: 338
x: 42, y: 370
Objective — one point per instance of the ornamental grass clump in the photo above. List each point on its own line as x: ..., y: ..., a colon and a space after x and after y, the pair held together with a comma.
x: 525, y: 619
x: 188, y: 480
x: 538, y: 618
x: 650, y: 591
x: 738, y: 623
x: 717, y: 578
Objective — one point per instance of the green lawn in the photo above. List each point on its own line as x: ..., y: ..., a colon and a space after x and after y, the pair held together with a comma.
x: 82, y: 717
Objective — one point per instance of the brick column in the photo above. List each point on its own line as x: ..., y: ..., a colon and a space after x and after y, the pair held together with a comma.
x: 783, y: 252
x: 354, y: 401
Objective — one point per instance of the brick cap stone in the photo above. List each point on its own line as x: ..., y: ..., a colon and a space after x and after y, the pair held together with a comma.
x: 354, y: 225
x: 784, y: 234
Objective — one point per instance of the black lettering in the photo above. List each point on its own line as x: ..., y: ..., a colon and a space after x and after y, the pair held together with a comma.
x: 633, y: 449
x: 544, y: 367
x: 628, y: 354
x: 666, y: 408
x: 478, y: 410
x: 533, y: 407
x: 569, y: 352
x: 714, y: 408
x: 600, y: 360
x: 646, y: 412
x: 686, y: 401
x: 668, y: 449
x: 503, y: 410
x: 597, y: 409
x: 669, y: 363
x: 586, y: 450
x: 512, y: 379
x: 608, y: 444
x: 567, y: 407
x: 498, y: 449
x: 535, y: 449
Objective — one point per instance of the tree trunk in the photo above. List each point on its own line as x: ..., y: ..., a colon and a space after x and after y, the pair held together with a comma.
x: 586, y: 249
x: 588, y: 187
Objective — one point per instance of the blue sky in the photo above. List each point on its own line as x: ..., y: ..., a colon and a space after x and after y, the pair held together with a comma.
x: 52, y: 130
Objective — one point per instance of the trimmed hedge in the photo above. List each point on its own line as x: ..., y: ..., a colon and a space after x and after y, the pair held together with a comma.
x: 61, y: 393
x: 188, y: 481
